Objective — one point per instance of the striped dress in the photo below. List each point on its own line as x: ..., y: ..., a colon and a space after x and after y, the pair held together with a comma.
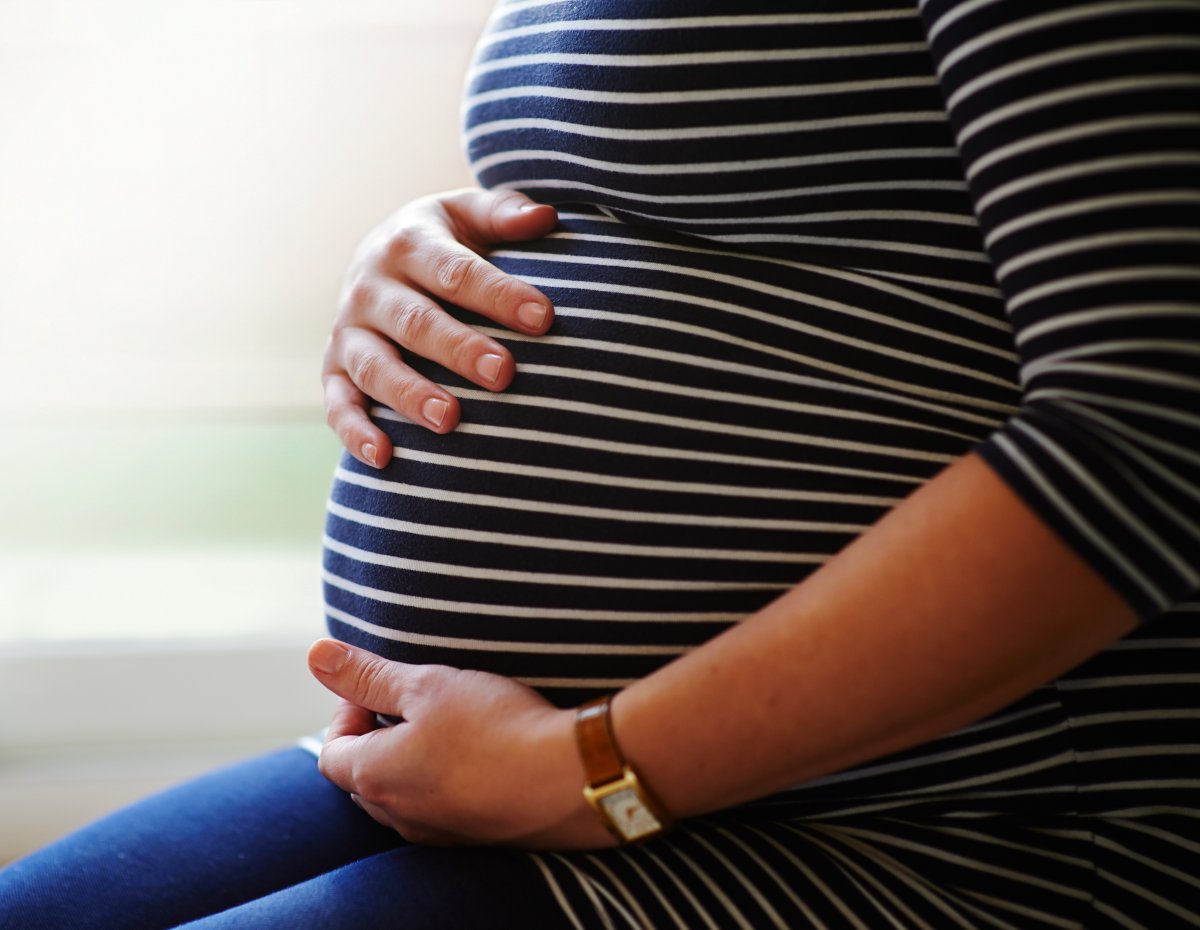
x: 808, y: 254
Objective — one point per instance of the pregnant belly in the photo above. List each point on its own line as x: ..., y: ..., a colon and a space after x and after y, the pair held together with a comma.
x: 698, y: 432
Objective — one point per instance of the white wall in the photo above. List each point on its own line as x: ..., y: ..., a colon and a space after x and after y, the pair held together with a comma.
x: 182, y: 182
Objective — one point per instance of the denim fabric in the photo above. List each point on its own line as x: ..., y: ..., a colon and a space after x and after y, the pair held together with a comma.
x: 267, y: 843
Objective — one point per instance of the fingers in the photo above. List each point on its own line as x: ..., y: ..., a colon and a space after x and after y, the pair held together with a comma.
x: 448, y: 270
x: 412, y: 832
x: 374, y: 811
x: 361, y: 365
x: 346, y: 413
x: 425, y: 256
x: 366, y: 683
x: 363, y: 679
x: 353, y: 761
x: 483, y: 218
x: 420, y: 325
x: 350, y: 720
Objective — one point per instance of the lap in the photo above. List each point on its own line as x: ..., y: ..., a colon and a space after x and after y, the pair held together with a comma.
x: 408, y: 888
x: 267, y: 843
x: 270, y: 843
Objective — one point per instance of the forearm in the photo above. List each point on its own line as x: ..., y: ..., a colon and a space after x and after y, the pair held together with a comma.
x: 958, y: 602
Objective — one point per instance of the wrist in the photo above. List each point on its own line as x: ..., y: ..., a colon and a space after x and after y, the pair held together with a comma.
x: 565, y: 820
x: 623, y: 801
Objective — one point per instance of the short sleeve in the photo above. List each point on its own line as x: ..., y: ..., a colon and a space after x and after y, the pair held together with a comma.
x: 1078, y: 124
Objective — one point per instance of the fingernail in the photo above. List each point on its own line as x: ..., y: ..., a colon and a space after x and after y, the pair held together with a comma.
x: 532, y: 315
x: 488, y: 366
x: 526, y: 207
x: 327, y: 656
x: 434, y: 410
x: 369, y: 452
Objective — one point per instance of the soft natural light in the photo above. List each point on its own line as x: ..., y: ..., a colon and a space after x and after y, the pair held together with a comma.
x: 182, y: 182
x: 181, y: 186
x: 144, y: 525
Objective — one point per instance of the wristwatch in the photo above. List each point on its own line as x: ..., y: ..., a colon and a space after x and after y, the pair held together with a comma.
x: 624, y: 803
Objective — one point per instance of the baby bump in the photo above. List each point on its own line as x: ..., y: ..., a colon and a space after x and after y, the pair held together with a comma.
x: 697, y: 433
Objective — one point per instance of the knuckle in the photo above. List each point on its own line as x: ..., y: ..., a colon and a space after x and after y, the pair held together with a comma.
x: 357, y: 300
x: 414, y: 323
x: 337, y: 416
x: 452, y: 272
x: 373, y: 685
x: 459, y: 346
x: 338, y: 412
x: 401, y: 243
x: 335, y: 348
x: 368, y: 784
x: 507, y: 293
x: 334, y: 383
x: 407, y: 397
x: 366, y: 368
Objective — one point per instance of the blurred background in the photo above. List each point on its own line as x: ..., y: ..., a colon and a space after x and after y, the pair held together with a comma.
x: 181, y: 185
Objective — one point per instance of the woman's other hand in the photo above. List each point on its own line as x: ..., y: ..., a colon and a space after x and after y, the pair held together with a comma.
x: 425, y: 253
x: 476, y: 758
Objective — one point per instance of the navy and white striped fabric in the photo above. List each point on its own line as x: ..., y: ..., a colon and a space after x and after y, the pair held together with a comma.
x: 808, y: 254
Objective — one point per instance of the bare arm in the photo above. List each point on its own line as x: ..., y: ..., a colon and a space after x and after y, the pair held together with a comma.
x: 977, y: 588
x: 955, y: 604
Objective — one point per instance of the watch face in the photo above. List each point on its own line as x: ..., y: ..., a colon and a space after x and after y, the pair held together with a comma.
x: 629, y: 815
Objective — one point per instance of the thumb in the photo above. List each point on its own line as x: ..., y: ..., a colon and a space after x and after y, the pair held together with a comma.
x: 360, y: 677
x: 483, y: 216
x: 516, y: 217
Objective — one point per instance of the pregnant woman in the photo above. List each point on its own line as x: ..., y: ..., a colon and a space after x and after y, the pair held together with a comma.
x: 795, y: 442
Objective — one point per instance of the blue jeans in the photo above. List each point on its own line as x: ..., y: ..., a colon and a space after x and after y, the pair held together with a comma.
x: 265, y: 844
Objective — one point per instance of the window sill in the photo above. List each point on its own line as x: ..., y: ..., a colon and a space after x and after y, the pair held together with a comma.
x: 89, y: 727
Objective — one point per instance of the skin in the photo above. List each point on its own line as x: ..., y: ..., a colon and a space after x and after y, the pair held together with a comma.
x: 425, y: 253
x: 954, y: 624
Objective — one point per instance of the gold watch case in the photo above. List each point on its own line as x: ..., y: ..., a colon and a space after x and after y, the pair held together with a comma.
x: 624, y: 808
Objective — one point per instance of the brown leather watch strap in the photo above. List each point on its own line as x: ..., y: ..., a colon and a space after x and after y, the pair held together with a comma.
x: 602, y: 760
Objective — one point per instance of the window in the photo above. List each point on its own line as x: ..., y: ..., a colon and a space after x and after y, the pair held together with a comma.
x: 182, y: 184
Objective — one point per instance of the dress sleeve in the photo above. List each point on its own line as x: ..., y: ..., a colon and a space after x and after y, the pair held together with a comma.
x: 1078, y: 124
